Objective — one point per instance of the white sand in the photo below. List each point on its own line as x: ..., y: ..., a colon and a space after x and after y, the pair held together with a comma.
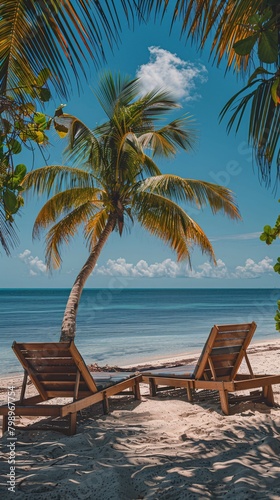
x: 161, y: 448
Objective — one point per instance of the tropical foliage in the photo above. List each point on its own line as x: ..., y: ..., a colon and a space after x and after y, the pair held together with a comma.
x: 114, y: 181
x: 20, y: 125
x: 269, y: 235
x: 247, y: 34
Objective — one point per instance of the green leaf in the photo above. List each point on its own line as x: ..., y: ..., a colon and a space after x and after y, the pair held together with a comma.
x: 20, y: 171
x: 244, y: 47
x: 40, y: 119
x: 277, y: 268
x: 14, y: 146
x: 44, y: 94
x: 255, y: 19
x: 10, y: 201
x: 43, y: 76
x: 266, y: 16
x: 268, y: 47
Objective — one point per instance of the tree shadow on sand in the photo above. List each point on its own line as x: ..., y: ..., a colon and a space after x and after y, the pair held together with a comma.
x: 163, y: 449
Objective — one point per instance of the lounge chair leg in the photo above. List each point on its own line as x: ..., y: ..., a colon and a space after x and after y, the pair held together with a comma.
x: 224, y: 401
x: 136, y: 390
x: 268, y: 395
x: 189, y: 393
x: 73, y: 423
x: 105, y: 404
x: 153, y: 387
x: 5, y: 423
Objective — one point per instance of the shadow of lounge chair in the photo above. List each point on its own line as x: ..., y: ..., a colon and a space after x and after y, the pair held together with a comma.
x: 218, y: 369
x: 57, y: 370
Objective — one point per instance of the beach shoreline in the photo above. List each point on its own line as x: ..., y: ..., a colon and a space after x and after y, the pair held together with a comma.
x: 162, y: 447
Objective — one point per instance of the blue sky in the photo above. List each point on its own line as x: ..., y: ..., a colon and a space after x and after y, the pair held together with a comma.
x: 137, y: 259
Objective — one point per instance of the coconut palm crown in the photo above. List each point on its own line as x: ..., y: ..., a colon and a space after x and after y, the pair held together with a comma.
x: 115, y: 181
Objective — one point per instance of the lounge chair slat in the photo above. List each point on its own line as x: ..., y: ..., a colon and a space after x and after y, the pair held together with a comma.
x: 35, y: 346
x: 52, y: 362
x: 43, y: 377
x: 221, y: 342
x: 65, y: 353
x: 227, y: 351
x: 235, y: 328
x: 61, y: 385
x: 71, y: 369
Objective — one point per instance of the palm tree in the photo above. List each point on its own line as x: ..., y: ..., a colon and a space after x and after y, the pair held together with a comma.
x: 114, y: 182
x: 247, y: 34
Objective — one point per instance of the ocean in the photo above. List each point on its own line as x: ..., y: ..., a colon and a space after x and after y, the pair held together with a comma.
x: 127, y: 326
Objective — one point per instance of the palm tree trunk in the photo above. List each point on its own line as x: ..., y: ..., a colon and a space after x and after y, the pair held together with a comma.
x: 68, y: 328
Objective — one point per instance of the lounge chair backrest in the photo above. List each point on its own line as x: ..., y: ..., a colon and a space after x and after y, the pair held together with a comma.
x: 56, y: 369
x: 224, y: 352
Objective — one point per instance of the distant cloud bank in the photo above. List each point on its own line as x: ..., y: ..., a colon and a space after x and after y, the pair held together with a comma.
x: 167, y: 71
x: 171, y: 269
x: 34, y: 264
x: 168, y: 268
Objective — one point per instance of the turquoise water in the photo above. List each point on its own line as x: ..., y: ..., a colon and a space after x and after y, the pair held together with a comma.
x: 129, y: 326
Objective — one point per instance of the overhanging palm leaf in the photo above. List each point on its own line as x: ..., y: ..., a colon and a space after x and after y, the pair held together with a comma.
x: 56, y: 35
x: 236, y: 27
x: 264, y: 124
x: 227, y: 21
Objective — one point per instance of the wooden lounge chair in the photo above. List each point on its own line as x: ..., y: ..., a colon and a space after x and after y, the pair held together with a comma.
x: 57, y: 370
x: 218, y: 369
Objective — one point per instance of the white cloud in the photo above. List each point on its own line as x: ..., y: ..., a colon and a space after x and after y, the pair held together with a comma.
x: 120, y: 267
x: 253, y: 269
x: 210, y: 271
x: 167, y: 70
x: 171, y: 269
x: 34, y: 264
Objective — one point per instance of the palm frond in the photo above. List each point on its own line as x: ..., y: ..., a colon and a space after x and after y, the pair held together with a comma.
x: 115, y: 91
x: 165, y: 141
x: 8, y: 236
x: 168, y: 221
x: 64, y: 231
x: 60, y: 36
x: 95, y: 227
x: 55, y: 178
x: 63, y: 203
x: 264, y: 123
x: 202, y: 193
x: 226, y: 22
